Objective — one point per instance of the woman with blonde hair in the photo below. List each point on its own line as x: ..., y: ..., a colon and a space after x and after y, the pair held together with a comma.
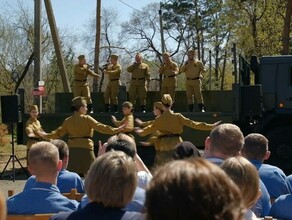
x: 245, y: 175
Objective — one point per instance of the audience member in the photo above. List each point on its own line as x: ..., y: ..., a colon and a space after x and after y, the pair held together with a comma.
x: 184, y: 150
x: 110, y: 186
x: 226, y: 140
x: 192, y: 189
x: 66, y: 180
x: 245, y: 175
x: 44, y: 196
x: 3, y: 209
x: 281, y: 207
x: 256, y: 150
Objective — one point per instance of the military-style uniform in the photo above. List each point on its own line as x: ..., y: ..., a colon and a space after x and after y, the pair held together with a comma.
x: 140, y: 75
x: 193, y: 71
x: 80, y: 129
x: 112, y: 89
x: 169, y: 81
x: 81, y: 85
x: 32, y: 126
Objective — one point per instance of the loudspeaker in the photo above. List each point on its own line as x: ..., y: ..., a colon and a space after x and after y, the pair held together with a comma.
x: 10, y: 109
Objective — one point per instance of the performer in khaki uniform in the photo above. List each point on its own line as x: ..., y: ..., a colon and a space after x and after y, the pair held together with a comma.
x: 110, y: 95
x: 81, y: 85
x: 194, y: 70
x: 80, y: 128
x: 128, y: 120
x: 140, y: 81
x: 33, y: 126
x: 169, y: 70
x: 170, y: 126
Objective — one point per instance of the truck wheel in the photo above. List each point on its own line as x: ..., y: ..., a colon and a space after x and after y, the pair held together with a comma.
x: 280, y: 145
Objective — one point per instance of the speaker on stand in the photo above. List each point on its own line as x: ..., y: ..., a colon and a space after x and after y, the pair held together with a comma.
x: 11, y: 114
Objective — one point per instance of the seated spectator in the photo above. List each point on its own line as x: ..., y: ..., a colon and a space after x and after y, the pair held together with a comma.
x: 225, y: 141
x: 184, y: 150
x: 281, y: 207
x: 3, y: 210
x: 256, y: 150
x: 245, y: 175
x: 66, y: 180
x: 192, y: 189
x: 110, y: 186
x: 44, y: 196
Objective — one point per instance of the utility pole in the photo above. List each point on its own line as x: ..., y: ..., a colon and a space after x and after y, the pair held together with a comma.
x: 161, y: 38
x: 97, y: 44
x: 37, y: 76
x: 57, y: 45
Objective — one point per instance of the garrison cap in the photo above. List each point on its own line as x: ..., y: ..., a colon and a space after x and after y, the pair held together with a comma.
x: 81, y: 57
x: 166, y: 99
x: 166, y: 54
x: 115, y: 56
x: 127, y: 105
x: 79, y: 101
x: 158, y: 105
x: 33, y: 107
x: 192, y: 52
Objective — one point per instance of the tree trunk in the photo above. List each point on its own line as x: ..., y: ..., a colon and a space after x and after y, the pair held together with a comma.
x: 286, y: 30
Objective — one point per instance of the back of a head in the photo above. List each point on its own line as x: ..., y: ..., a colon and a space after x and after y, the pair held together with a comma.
x: 245, y: 175
x: 3, y: 209
x: 255, y: 146
x: 112, y: 179
x: 184, y: 150
x: 122, y: 142
x: 226, y: 139
x: 43, y: 158
x: 62, y: 147
x: 192, y: 189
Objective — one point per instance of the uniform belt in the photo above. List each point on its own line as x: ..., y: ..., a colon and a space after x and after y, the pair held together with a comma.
x: 193, y: 78
x: 138, y: 78
x: 34, y: 139
x: 169, y: 76
x: 114, y: 79
x: 80, y: 137
x: 169, y: 135
x: 77, y: 80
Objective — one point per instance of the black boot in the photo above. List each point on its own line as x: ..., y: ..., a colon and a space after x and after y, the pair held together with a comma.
x: 143, y: 108
x: 89, y: 108
x: 191, y: 107
x: 107, y: 108
x: 202, y: 107
x: 115, y: 108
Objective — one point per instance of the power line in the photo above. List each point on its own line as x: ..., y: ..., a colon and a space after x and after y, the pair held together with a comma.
x: 129, y: 5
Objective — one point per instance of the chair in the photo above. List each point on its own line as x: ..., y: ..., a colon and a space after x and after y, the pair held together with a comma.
x: 29, y: 217
x: 73, y: 194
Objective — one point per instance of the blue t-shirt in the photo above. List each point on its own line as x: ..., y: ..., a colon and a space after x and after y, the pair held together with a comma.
x: 65, y: 182
x: 281, y: 207
x: 41, y: 198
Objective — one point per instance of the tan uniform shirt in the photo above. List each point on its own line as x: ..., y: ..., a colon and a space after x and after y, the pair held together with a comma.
x: 193, y: 69
x: 168, y: 71
x: 114, y: 73
x: 178, y: 121
x: 32, y: 126
x: 81, y: 73
x: 129, y: 121
x: 140, y: 74
x: 80, y: 128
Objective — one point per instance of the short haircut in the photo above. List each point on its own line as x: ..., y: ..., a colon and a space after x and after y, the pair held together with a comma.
x: 62, y: 147
x: 255, y: 146
x: 192, y: 189
x: 185, y: 149
x: 112, y: 179
x: 3, y: 209
x: 122, y: 142
x: 226, y: 139
x: 43, y: 157
x: 246, y: 176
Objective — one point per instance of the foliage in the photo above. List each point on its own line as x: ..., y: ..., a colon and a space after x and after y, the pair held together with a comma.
x: 3, y: 134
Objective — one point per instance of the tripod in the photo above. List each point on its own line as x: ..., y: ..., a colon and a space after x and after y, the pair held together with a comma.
x: 14, y: 158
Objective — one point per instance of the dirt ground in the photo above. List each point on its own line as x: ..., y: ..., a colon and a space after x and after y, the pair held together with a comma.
x: 6, y: 180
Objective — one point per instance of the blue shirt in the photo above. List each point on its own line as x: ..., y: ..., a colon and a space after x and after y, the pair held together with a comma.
x: 41, y: 198
x: 281, y: 208
x: 274, y: 179
x: 136, y: 205
x: 65, y: 182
